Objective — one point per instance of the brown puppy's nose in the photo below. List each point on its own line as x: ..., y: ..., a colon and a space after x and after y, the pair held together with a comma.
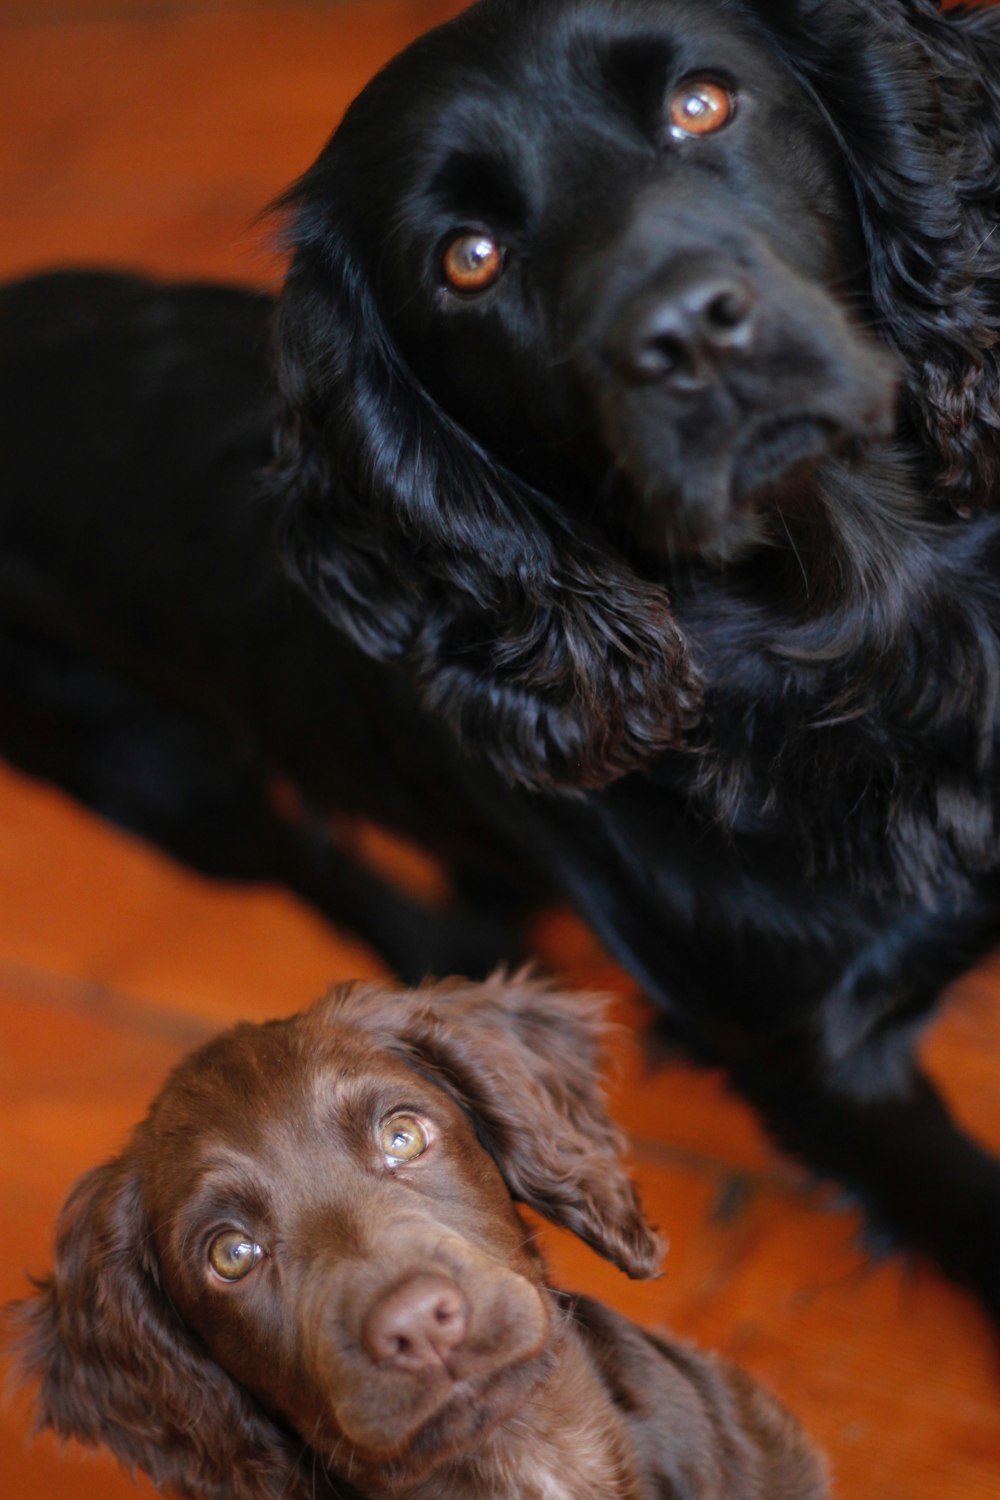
x: 417, y: 1324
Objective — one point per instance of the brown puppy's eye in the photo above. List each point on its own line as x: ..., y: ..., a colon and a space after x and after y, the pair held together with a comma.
x: 472, y: 263
x: 233, y: 1255
x: 403, y: 1137
x: 700, y: 107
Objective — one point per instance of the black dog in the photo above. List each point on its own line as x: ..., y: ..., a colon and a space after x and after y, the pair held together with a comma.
x: 640, y: 421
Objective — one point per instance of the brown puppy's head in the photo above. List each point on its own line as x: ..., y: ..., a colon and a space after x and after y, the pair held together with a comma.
x: 309, y: 1257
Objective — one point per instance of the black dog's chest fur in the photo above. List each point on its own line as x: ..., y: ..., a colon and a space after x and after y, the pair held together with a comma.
x: 718, y: 922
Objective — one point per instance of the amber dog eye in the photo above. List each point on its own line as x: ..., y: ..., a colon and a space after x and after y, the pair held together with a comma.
x: 700, y: 107
x: 403, y: 1138
x: 472, y: 263
x: 233, y: 1255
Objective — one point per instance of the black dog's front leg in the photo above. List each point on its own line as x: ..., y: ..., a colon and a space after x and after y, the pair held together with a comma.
x: 921, y: 1181
x: 815, y: 1028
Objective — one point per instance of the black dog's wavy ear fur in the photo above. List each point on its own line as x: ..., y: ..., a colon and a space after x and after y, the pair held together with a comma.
x: 115, y: 1367
x: 523, y: 1060
x: 564, y: 667
x: 556, y: 661
x: 914, y: 96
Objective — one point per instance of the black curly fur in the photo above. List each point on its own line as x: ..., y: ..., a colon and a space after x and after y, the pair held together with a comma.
x: 922, y: 140
x: 523, y: 636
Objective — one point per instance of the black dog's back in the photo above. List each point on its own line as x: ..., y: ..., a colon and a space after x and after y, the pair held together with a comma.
x: 155, y: 662
x: 134, y: 418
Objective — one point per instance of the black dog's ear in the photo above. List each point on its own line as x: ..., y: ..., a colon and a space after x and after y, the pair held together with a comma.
x: 523, y: 1061
x: 116, y: 1368
x: 555, y: 661
x: 914, y: 98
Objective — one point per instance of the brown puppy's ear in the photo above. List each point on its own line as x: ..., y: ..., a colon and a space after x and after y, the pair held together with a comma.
x: 523, y: 1059
x: 116, y: 1367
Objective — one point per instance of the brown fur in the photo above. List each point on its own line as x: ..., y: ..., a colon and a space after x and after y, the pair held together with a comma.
x: 279, y: 1384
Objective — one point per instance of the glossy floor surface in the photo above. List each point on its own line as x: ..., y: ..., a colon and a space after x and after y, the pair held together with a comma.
x: 150, y: 135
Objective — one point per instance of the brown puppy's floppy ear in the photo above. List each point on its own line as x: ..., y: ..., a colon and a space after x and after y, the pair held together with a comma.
x: 522, y: 1059
x: 116, y: 1368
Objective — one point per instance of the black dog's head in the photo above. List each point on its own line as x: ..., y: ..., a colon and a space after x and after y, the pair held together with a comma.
x: 578, y: 287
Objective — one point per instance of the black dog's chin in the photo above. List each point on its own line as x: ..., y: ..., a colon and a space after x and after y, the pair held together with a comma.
x: 782, y: 449
x: 711, y: 502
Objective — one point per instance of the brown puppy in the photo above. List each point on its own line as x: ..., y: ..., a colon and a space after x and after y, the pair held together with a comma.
x: 305, y: 1276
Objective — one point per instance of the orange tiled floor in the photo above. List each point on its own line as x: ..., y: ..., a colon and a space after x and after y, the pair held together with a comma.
x: 151, y: 136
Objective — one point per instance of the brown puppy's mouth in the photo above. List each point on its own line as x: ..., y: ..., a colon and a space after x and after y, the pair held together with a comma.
x: 472, y: 1409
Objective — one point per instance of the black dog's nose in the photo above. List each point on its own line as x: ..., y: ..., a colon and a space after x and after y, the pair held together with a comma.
x: 682, y: 331
x: 417, y: 1324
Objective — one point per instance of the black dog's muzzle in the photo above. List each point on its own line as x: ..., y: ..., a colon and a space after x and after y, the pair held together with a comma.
x: 714, y: 370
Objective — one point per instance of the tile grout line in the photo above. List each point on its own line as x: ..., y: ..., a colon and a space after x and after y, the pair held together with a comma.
x: 23, y: 984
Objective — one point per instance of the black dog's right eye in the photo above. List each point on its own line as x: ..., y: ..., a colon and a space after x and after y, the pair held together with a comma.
x: 700, y: 106
x: 233, y: 1255
x: 472, y: 263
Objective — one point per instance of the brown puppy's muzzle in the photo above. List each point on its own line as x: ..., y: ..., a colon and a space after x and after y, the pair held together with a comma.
x: 415, y: 1356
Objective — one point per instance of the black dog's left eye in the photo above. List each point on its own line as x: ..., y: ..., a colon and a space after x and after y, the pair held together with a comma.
x: 472, y: 262
x: 700, y: 106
